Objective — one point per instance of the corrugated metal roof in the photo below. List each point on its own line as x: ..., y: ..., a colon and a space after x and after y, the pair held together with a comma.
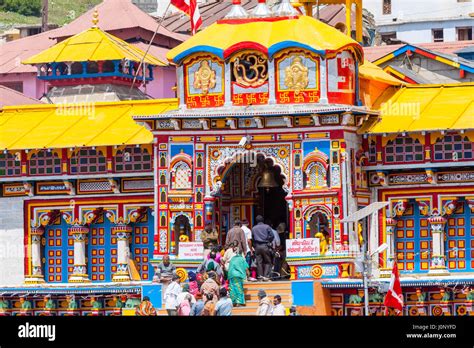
x: 224, y: 36
x: 417, y: 108
x: 77, y: 125
x: 9, y: 97
x: 92, y: 45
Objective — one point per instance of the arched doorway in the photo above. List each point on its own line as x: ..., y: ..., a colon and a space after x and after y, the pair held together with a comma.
x: 251, y: 188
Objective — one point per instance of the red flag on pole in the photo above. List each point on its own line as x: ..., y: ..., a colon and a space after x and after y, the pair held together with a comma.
x: 394, y: 297
x: 190, y: 7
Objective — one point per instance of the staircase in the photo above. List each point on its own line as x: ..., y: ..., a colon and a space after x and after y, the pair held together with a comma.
x: 282, y: 288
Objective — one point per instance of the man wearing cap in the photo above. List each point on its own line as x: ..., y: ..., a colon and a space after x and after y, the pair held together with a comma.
x: 262, y: 236
x: 236, y: 234
x: 264, y: 304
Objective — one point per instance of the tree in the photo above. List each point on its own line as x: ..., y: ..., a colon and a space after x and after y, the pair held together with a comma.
x: 23, y: 7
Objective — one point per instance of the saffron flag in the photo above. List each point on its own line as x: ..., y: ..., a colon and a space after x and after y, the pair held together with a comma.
x: 190, y: 7
x: 394, y: 297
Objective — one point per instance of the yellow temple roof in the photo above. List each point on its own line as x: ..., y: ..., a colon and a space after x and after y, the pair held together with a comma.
x: 417, y: 108
x: 371, y: 71
x: 77, y: 125
x: 92, y: 44
x: 268, y: 34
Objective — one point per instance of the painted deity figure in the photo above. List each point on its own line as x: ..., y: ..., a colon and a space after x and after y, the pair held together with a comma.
x: 204, y: 78
x: 48, y: 303
x: 72, y: 303
x: 296, y: 75
x: 183, y: 237
x: 4, y: 306
x: 323, y: 237
x: 95, y: 304
x: 25, y: 305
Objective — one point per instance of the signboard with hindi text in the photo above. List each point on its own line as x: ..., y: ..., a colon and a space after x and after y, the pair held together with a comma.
x: 304, y: 247
x: 191, y: 251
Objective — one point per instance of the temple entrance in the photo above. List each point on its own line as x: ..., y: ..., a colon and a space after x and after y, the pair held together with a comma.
x: 251, y: 189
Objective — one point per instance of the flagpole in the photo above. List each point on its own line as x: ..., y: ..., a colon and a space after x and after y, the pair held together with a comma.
x: 366, y: 269
x: 149, y: 45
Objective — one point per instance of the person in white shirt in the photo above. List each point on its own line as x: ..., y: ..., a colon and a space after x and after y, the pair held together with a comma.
x: 278, y: 308
x: 171, y: 296
x: 249, y: 251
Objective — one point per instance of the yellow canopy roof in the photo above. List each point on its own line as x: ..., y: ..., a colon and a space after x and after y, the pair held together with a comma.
x: 92, y: 45
x: 270, y: 34
x: 416, y: 108
x: 53, y: 126
x: 371, y: 71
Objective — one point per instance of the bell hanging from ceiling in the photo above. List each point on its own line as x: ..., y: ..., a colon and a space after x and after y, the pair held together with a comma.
x: 268, y: 180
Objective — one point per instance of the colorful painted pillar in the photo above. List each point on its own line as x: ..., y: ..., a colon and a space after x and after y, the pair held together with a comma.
x: 438, y: 259
x: 209, y: 204
x: 123, y: 232
x: 391, y: 226
x: 79, y: 273
x: 36, y: 275
x: 291, y: 222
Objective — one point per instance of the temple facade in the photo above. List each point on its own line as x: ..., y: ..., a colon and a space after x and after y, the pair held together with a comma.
x: 268, y: 121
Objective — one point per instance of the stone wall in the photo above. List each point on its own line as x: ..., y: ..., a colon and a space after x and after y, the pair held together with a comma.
x: 11, y: 241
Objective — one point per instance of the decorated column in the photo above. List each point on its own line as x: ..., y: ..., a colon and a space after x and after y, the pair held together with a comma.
x: 209, y: 202
x: 391, y: 224
x: 79, y: 274
x: 438, y: 259
x: 122, y: 231
x: 36, y: 275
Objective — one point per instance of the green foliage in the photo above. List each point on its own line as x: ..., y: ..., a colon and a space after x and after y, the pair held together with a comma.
x: 23, y: 7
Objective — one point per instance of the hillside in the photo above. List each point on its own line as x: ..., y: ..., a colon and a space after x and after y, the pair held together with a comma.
x: 60, y: 12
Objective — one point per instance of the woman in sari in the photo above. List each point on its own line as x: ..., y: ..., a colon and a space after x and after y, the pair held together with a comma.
x: 211, y: 286
x: 238, y: 271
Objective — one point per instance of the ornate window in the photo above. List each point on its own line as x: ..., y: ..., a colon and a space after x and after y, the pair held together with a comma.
x: 404, y: 149
x: 199, y: 197
x: 199, y: 180
x: 453, y: 147
x: 372, y: 152
x: 163, y: 196
x: 163, y: 160
x: 45, y: 163
x: 199, y: 161
x: 316, y: 176
x: 10, y: 164
x: 133, y: 159
x: 181, y: 176
x: 87, y: 161
x: 315, y: 170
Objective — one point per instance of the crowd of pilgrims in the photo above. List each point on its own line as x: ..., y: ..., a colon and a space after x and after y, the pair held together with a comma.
x: 217, y: 285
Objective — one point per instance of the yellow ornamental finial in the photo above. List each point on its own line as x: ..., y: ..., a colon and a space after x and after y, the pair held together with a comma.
x: 95, y: 18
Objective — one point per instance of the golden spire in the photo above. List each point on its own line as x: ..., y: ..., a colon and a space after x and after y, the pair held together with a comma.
x: 95, y: 18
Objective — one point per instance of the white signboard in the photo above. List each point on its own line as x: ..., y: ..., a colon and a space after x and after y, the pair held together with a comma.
x: 302, y: 247
x: 191, y: 251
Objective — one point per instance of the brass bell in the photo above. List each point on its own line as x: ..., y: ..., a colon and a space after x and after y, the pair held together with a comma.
x: 268, y: 180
